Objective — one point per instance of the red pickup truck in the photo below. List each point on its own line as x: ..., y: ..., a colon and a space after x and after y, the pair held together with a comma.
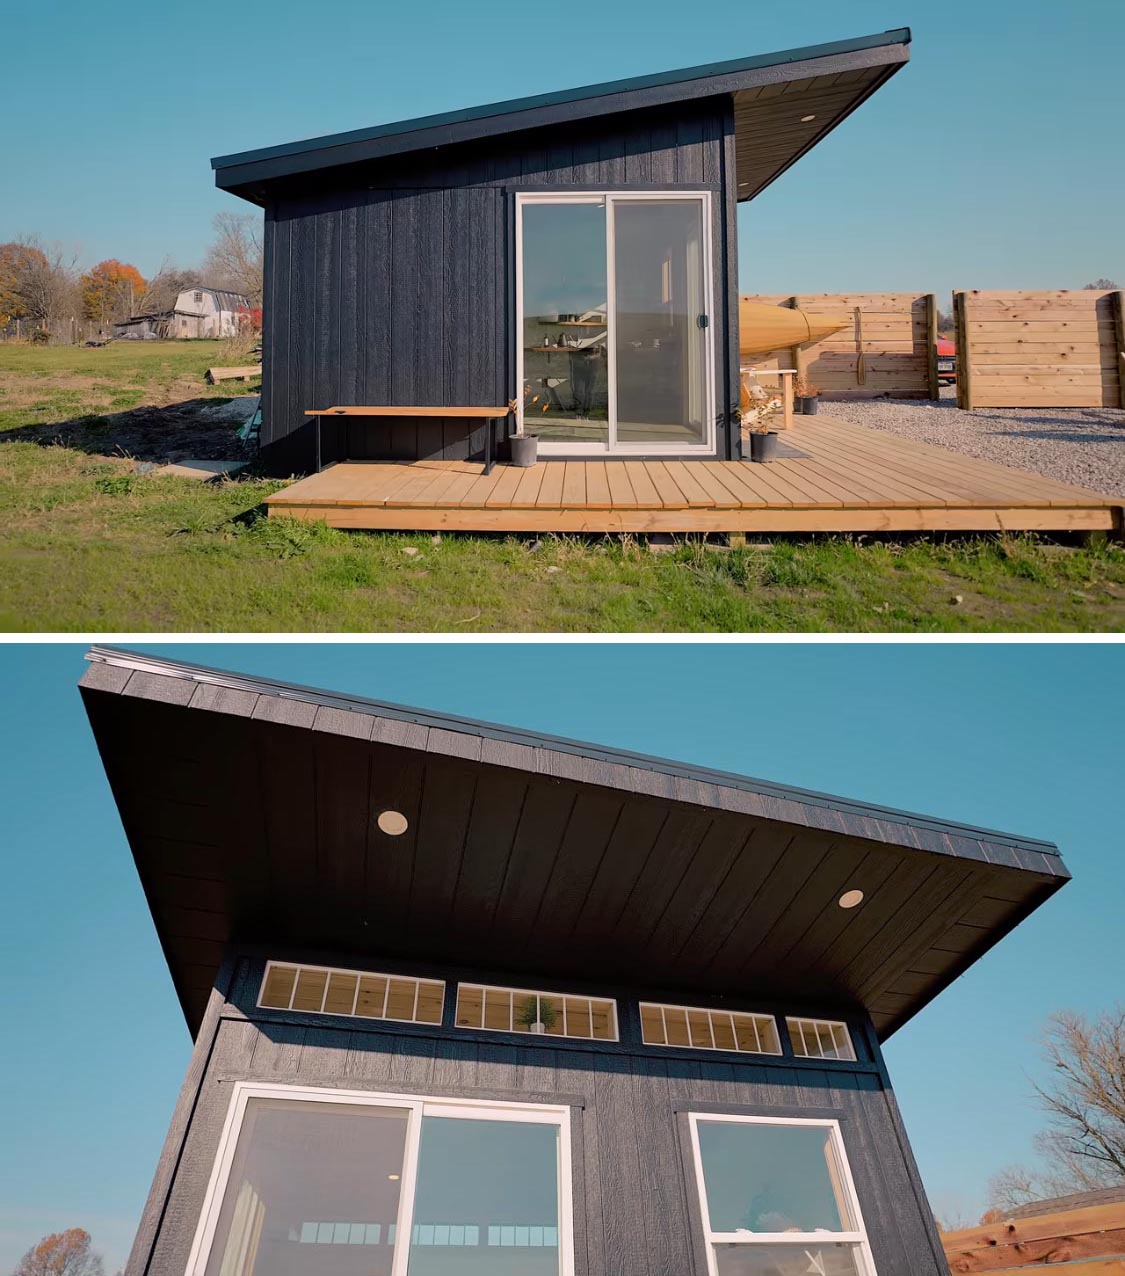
x: 946, y: 362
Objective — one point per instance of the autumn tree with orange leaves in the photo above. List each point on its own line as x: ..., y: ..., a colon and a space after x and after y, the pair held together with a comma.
x: 110, y: 290
x: 66, y: 1253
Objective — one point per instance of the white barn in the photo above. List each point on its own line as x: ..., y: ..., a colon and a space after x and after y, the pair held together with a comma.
x: 207, y: 312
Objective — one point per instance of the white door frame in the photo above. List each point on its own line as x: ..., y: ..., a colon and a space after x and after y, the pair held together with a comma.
x: 612, y: 447
x: 418, y: 1106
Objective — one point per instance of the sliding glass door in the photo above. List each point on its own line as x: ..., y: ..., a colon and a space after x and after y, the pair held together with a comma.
x: 614, y: 322
x: 315, y: 1182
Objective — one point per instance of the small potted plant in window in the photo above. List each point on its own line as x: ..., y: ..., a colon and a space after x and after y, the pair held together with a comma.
x: 525, y: 447
x: 537, y: 1014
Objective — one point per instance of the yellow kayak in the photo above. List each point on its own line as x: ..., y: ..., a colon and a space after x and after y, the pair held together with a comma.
x: 762, y: 327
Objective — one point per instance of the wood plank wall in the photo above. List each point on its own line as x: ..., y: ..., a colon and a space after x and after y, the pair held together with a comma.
x: 1040, y: 349
x: 888, y: 352
x: 397, y: 286
x: 633, y: 1199
x: 1066, y: 1236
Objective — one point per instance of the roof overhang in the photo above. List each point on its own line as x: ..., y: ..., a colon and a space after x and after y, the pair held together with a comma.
x: 250, y: 807
x: 773, y: 93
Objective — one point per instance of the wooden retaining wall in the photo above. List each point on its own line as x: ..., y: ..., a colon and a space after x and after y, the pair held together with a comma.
x: 888, y: 349
x: 1058, y: 349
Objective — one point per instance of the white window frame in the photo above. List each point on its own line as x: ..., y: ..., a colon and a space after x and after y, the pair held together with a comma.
x: 831, y: 1025
x: 538, y: 993
x: 611, y: 447
x: 298, y: 966
x: 856, y: 1238
x: 711, y: 1012
x: 418, y: 1106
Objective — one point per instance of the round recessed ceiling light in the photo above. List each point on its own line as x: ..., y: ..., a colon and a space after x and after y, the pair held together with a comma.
x: 393, y: 1177
x: 807, y: 119
x: 849, y: 899
x: 393, y: 823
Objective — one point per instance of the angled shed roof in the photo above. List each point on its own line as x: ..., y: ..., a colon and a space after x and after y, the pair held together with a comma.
x: 250, y: 808
x: 773, y: 95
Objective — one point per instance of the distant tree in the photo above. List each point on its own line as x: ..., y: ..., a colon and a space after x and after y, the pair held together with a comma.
x: 68, y: 1253
x: 1102, y: 285
x: 944, y: 321
x: 1083, y: 1146
x: 36, y: 281
x: 165, y: 286
x: 235, y: 259
x: 17, y: 261
x: 111, y: 290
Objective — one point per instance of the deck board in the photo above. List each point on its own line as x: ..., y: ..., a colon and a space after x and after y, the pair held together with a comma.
x: 851, y: 480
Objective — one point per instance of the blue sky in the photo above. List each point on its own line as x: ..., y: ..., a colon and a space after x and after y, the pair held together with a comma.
x: 987, y: 162
x: 1025, y: 738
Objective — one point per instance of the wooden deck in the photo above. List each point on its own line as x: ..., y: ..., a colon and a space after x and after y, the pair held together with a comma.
x: 852, y: 480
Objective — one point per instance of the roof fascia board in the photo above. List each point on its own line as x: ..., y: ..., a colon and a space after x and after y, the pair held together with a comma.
x: 336, y: 150
x: 639, y: 773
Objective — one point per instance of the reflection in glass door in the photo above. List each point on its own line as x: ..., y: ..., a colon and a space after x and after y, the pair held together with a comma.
x: 566, y: 383
x: 660, y: 341
x: 613, y: 302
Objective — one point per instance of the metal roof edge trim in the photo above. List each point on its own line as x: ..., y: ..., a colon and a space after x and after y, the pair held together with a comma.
x: 514, y: 106
x: 140, y: 662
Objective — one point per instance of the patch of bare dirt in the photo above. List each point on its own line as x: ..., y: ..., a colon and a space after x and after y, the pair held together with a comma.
x: 189, y: 429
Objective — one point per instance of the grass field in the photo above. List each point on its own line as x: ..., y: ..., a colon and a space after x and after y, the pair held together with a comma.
x: 86, y: 544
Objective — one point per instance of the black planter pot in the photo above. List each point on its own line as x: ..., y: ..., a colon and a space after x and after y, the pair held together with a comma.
x: 811, y: 402
x: 799, y: 402
x: 525, y: 450
x: 763, y: 447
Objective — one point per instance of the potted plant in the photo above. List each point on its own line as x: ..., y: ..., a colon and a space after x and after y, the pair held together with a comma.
x: 804, y: 397
x: 537, y: 1014
x: 763, y: 441
x: 525, y: 447
x: 811, y: 400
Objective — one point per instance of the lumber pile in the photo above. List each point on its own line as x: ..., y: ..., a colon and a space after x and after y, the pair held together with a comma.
x: 1090, y: 1239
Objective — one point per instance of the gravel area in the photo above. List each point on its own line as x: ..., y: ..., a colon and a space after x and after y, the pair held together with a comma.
x: 1085, y: 446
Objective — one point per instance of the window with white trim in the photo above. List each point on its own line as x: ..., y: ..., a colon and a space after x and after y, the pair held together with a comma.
x: 820, y: 1038
x: 708, y: 1029
x: 321, y: 990
x: 776, y: 1197
x: 311, y: 1181
x: 558, y: 1014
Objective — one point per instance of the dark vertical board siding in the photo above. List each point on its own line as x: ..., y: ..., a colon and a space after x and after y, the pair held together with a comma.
x: 377, y: 329
x: 399, y: 290
x: 272, y: 311
x: 727, y: 357
x: 635, y: 1197
x: 625, y: 1242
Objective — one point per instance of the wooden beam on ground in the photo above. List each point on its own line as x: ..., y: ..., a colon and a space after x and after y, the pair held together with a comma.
x: 215, y: 375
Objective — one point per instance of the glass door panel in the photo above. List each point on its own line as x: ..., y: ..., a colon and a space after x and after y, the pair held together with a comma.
x: 486, y: 1201
x: 565, y: 379
x: 659, y: 340
x: 313, y: 1189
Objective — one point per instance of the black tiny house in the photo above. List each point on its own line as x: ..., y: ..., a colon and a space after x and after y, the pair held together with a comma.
x: 574, y: 254
x: 469, y: 1000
